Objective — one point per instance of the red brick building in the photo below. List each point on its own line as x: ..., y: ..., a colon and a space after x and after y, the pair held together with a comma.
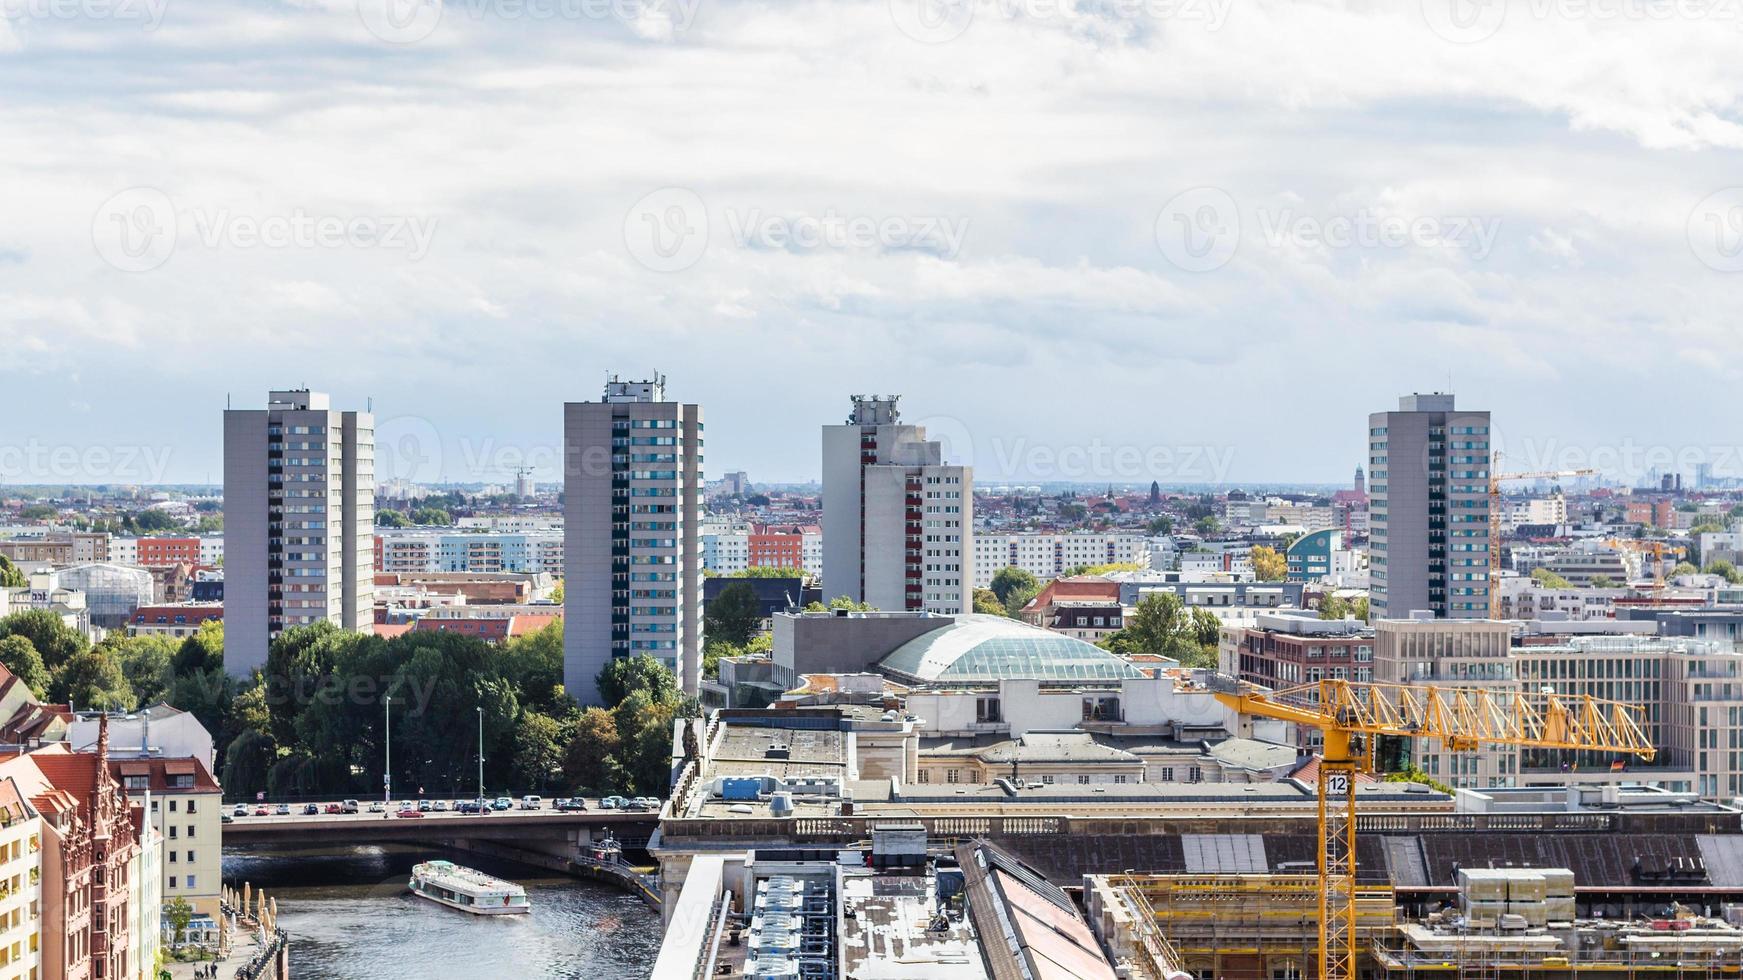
x: 155, y: 552
x: 90, y: 835
x: 775, y: 547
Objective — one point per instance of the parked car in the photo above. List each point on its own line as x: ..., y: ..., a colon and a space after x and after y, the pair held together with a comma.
x: 423, y: 806
x: 613, y: 803
x: 469, y: 806
x: 377, y: 807
x: 572, y: 805
x: 409, y: 812
x: 502, y: 803
x: 311, y: 810
x: 240, y: 811
x: 332, y: 808
x: 439, y: 806
x: 284, y: 809
x: 531, y: 802
x: 349, y: 806
x: 262, y: 811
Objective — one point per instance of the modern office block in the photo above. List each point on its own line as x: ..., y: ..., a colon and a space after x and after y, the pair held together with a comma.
x: 1428, y: 485
x: 898, y: 522
x: 299, y: 519
x: 632, y: 477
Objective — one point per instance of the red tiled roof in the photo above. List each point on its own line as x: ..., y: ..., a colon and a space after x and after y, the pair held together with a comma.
x: 159, y: 771
x: 1308, y: 772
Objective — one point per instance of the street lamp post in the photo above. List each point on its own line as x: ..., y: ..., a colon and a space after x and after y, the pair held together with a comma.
x: 387, y: 749
x: 481, y: 752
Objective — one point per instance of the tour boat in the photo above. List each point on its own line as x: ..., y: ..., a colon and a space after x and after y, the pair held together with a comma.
x: 447, y: 883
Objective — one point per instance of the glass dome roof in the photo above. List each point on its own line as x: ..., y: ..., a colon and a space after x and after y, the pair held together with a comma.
x: 983, y: 648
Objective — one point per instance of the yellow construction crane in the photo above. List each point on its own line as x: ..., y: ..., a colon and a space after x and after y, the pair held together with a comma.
x: 1657, y: 547
x: 1495, y: 479
x: 1349, y: 714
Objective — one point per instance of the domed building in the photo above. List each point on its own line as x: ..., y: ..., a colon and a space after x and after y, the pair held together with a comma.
x: 982, y: 649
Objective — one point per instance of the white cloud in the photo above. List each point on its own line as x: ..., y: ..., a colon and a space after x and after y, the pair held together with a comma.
x: 1054, y: 133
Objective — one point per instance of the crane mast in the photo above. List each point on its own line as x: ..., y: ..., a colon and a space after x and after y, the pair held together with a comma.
x: 1349, y: 714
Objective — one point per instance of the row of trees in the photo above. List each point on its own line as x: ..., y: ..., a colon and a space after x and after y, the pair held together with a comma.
x: 313, y: 722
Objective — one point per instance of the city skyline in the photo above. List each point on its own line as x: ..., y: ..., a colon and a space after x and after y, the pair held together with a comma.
x: 452, y: 445
x: 1533, y: 284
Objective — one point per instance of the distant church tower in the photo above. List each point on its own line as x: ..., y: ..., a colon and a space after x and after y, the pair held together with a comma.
x: 1361, y: 481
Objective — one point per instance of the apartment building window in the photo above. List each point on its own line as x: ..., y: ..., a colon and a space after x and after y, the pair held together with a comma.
x: 1083, y: 780
x: 987, y: 711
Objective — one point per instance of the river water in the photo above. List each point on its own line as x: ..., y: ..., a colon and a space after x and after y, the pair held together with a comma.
x: 350, y: 918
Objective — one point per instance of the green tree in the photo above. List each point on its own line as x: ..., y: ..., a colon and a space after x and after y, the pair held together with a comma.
x: 1207, y: 525
x: 840, y: 602
x: 760, y: 645
x: 533, y: 663
x: 590, y: 759
x: 1333, y: 607
x: 10, y: 576
x: 432, y: 516
x: 1010, y: 581
x: 19, y: 656
x: 986, y: 602
x: 557, y: 592
x: 1683, y: 568
x: 146, y: 661
x: 769, y: 571
x: 1360, y: 609
x: 1268, y: 564
x: 734, y: 616
x: 92, y: 678
x: 1725, y: 569
x: 179, y: 913
x: 1549, y: 579
x: 538, y: 751
x: 627, y: 676
x: 1161, y: 524
x: 52, y: 637
x: 388, y: 517
x: 1601, y: 582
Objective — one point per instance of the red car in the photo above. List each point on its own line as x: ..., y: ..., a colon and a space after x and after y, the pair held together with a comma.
x: 334, y: 808
x: 261, y: 811
x: 408, y: 813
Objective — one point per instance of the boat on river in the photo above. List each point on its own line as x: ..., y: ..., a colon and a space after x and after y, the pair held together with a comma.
x: 447, y: 883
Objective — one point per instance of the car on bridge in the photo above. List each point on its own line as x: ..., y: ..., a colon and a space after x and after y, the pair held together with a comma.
x: 312, y: 810
x: 240, y: 811
x: 377, y: 807
x: 571, y: 805
x: 614, y: 803
x: 409, y: 812
x: 502, y: 803
x: 532, y: 803
x: 350, y: 806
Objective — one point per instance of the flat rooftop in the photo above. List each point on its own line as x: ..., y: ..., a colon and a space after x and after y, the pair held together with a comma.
x: 891, y: 929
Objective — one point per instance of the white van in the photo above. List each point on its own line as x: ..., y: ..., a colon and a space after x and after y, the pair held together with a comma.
x: 531, y: 803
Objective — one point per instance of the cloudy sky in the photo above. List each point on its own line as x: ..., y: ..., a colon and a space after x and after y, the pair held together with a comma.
x: 1101, y: 239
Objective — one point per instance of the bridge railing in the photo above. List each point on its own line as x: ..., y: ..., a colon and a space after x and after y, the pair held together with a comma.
x: 837, y: 829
